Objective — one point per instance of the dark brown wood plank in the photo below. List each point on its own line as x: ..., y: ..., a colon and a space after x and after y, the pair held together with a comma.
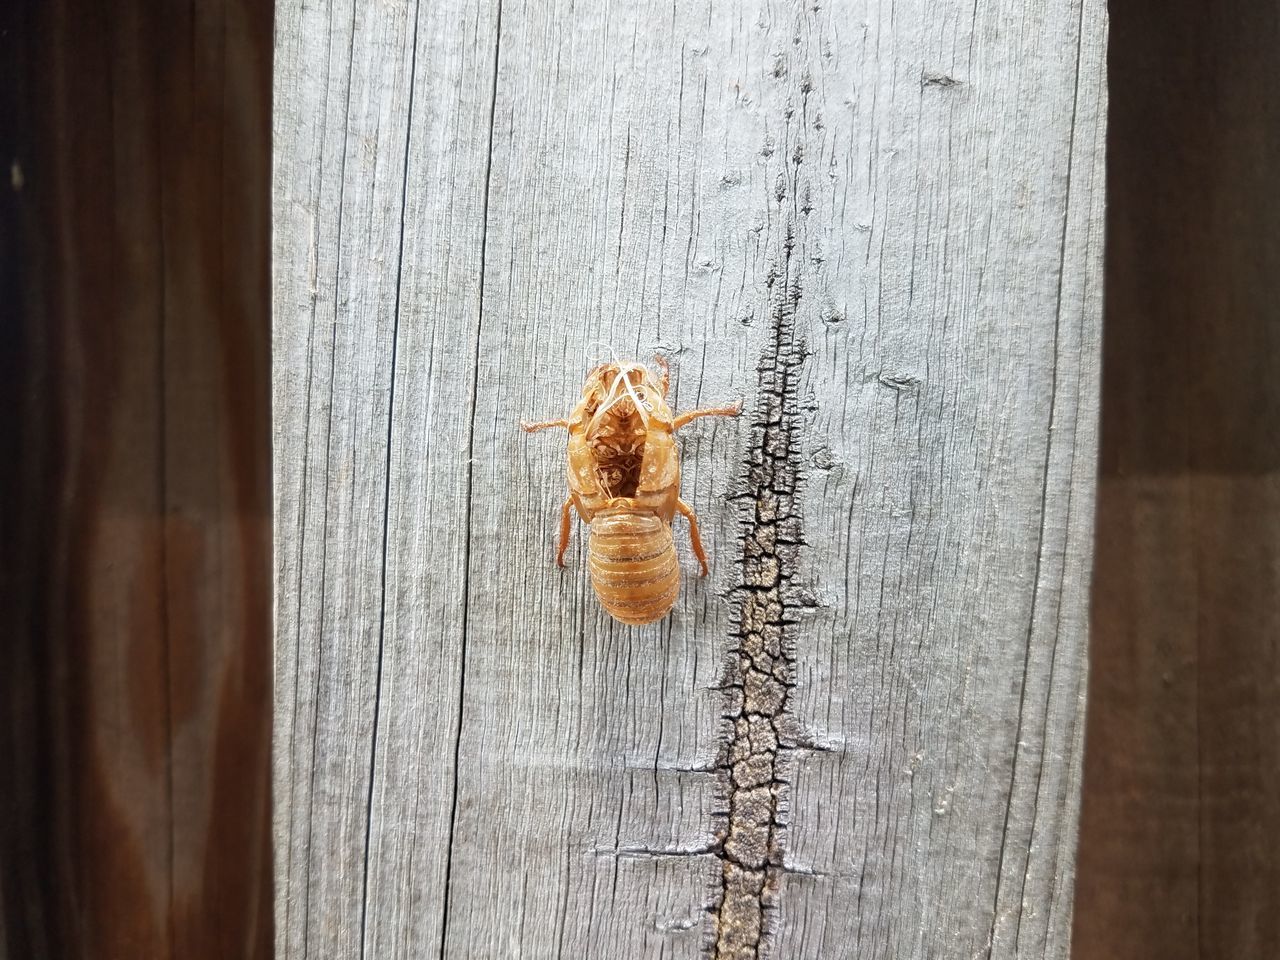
x: 1180, y: 836
x: 138, y: 533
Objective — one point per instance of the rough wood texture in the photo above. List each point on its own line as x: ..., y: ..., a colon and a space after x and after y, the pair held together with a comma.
x: 1180, y: 836
x: 135, y: 543
x: 881, y: 230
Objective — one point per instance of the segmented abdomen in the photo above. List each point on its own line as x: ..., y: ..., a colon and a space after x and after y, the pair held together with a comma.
x: 633, y: 566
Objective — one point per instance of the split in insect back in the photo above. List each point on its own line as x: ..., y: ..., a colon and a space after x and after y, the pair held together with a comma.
x: 624, y: 480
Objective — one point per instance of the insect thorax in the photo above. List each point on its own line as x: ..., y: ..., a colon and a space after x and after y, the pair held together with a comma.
x: 619, y: 406
x: 617, y: 444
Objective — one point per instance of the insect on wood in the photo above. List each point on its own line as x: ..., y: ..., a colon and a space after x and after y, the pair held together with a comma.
x: 624, y: 480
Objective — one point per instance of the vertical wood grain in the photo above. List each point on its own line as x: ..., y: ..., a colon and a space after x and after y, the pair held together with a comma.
x: 382, y: 137
x: 881, y: 230
x: 138, y: 554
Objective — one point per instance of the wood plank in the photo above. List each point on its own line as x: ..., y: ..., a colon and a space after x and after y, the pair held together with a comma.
x: 139, y: 533
x: 883, y: 233
x: 382, y: 138
x: 587, y: 774
x: 1179, y: 835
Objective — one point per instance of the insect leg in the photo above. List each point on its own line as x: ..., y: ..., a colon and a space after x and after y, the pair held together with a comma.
x: 664, y: 380
x: 686, y: 511
x: 564, y: 531
x: 544, y: 425
x: 730, y: 411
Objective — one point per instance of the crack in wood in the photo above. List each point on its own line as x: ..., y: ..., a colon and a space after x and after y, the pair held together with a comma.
x: 760, y: 666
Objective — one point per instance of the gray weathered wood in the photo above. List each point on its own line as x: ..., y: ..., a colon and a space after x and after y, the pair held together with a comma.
x: 881, y: 229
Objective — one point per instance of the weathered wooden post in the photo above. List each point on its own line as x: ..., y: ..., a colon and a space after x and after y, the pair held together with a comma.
x: 880, y: 227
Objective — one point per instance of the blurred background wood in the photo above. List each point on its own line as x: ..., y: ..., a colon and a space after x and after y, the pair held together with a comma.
x: 135, y: 452
x: 1180, y: 839
x: 133, y: 472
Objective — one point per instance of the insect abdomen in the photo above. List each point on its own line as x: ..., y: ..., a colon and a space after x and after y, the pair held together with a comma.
x: 633, y: 566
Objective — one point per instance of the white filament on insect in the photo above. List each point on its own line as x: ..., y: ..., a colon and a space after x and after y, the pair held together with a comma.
x: 622, y: 381
x: 613, y: 356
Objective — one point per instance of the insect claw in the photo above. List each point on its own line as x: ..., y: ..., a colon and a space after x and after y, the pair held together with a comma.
x: 528, y: 427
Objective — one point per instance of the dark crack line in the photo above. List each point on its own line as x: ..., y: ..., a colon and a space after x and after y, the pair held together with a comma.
x: 328, y: 462
x: 386, y: 500
x: 760, y: 664
x: 471, y: 445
